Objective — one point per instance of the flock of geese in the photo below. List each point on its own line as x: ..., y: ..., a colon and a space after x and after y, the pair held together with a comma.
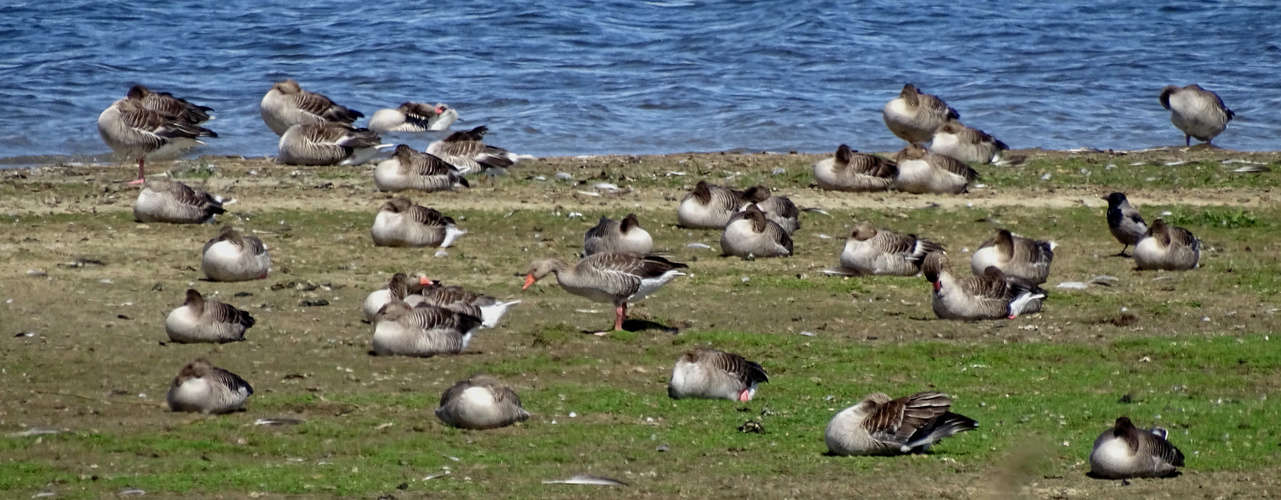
x: 418, y: 316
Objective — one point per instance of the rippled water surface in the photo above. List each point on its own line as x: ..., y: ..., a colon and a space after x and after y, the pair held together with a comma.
x: 569, y: 77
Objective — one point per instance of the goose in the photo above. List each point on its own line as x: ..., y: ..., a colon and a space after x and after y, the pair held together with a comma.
x: 709, y: 206
x: 413, y: 117
x: 206, y: 320
x: 852, y: 171
x: 991, y: 295
x: 401, y: 223
x: 921, y: 172
x: 488, y: 309
x: 203, y: 388
x: 232, y: 257
x: 618, y: 278
x: 480, y: 402
x: 137, y: 133
x: 422, y: 330
x: 1167, y: 247
x: 1126, y: 451
x: 409, y: 169
x: 779, y: 209
x: 163, y: 200
x: 400, y: 287
x: 881, y: 426
x: 750, y: 233
x: 287, y: 104
x: 970, y: 145
x: 708, y: 373
x: 914, y: 116
x: 328, y: 144
x: 1197, y: 112
x: 625, y: 236
x: 469, y: 154
x: 870, y: 251
x: 168, y: 105
x: 1124, y: 221
x: 1015, y: 256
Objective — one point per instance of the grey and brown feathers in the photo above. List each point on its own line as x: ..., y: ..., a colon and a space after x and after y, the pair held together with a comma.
x: 922, y: 172
x: 168, y: 105
x: 1167, y: 247
x: 163, y: 200
x: 201, y: 319
x: 135, y: 132
x: 708, y: 373
x: 871, y: 251
x: 750, y: 233
x: 286, y: 104
x: 1124, y: 221
x: 489, y: 309
x: 967, y: 144
x: 881, y: 426
x: 914, y: 116
x: 413, y: 117
x: 480, y: 402
x: 422, y: 330
x: 849, y: 170
x: 990, y: 295
x: 402, y: 223
x: 1196, y: 112
x: 1015, y: 256
x: 1126, y: 451
x: 203, y: 388
x: 779, y: 209
x: 709, y: 206
x: 328, y: 143
x: 467, y: 151
x: 621, y: 236
x: 410, y: 169
x: 231, y: 256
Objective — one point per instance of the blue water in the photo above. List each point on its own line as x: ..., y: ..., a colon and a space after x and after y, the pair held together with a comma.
x: 571, y: 77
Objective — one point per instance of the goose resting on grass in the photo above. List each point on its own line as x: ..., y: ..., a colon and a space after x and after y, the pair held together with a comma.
x: 232, y: 257
x: 881, y: 426
x: 402, y: 223
x: 1126, y: 451
x: 206, y: 320
x: 467, y: 151
x: 163, y: 200
x: 203, y: 388
x: 422, y: 330
x: 1015, y: 256
x: 852, y: 171
x: 870, y: 251
x: 286, y: 104
x: 779, y: 209
x: 328, y: 144
x: 708, y: 373
x: 991, y: 295
x: 616, y: 278
x: 409, y: 169
x: 709, y: 206
x: 967, y: 144
x: 923, y: 172
x: 413, y: 117
x: 750, y: 234
x: 625, y: 236
x: 488, y: 309
x: 480, y: 402
x: 1167, y: 247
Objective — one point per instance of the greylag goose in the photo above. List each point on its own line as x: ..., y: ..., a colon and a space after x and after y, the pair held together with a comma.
x: 750, y: 234
x: 168, y: 105
x: 914, y: 116
x: 618, y: 278
x: 1126, y: 451
x: 870, y: 251
x: 1197, y: 112
x: 1124, y: 221
x: 140, y: 134
x: 422, y: 330
x: 921, y: 172
x: 203, y: 388
x: 1167, y: 247
x: 413, y: 117
x: 480, y: 402
x: 850, y: 170
x: 488, y: 309
x: 467, y: 152
x: 625, y: 236
x: 328, y: 144
x: 232, y: 257
x: 1015, y: 256
x: 409, y: 169
x: 991, y: 295
x: 401, y: 223
x: 206, y: 320
x: 709, y: 206
x: 287, y: 104
x: 400, y: 287
x: 881, y: 426
x: 711, y: 374
x: 163, y: 200
x: 969, y: 145
x: 779, y: 209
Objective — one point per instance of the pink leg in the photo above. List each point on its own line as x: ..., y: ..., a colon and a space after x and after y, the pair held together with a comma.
x: 141, y: 174
x: 621, y: 313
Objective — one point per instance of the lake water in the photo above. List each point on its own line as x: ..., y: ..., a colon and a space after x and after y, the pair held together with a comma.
x: 571, y: 77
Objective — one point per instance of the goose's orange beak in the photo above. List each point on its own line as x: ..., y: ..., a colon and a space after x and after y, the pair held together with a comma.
x: 529, y: 280
x: 425, y: 281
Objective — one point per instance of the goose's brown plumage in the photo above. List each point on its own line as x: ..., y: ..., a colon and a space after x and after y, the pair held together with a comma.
x: 137, y: 133
x: 709, y: 206
x: 456, y: 298
x: 287, y: 104
x: 402, y: 223
x: 1015, y: 256
x: 1126, y: 451
x: 914, y: 115
x: 422, y: 330
x: 751, y: 233
x: 849, y: 170
x: 704, y: 372
x: 327, y: 143
x: 882, y: 426
x: 480, y: 402
x: 779, y: 209
x: 921, y: 172
x: 467, y: 151
x: 969, y: 145
x: 991, y: 295
x: 617, y: 278
x: 871, y: 251
x: 409, y: 169
x: 231, y: 256
x: 622, y: 236
x: 203, y: 388
x: 163, y: 200
x: 1167, y: 247
x: 413, y: 117
x: 200, y: 319
x: 168, y: 105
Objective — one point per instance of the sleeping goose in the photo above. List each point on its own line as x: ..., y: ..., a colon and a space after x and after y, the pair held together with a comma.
x: 401, y: 223
x: 969, y: 145
x: 850, y: 170
x: 467, y: 152
x: 400, y: 287
x: 711, y: 374
x: 625, y: 236
x: 287, y: 104
x: 881, y: 426
x: 1124, y: 222
x: 709, y: 206
x: 413, y: 117
x: 618, y: 278
x: 1015, y: 256
x: 921, y: 172
x: 1167, y: 247
x: 163, y: 200
x: 1197, y: 112
x: 779, y: 209
x: 870, y: 251
x: 203, y: 388
x: 1126, y: 451
x: 140, y: 134
x: 991, y: 295
x: 409, y: 169
x: 232, y: 257
x: 750, y: 233
x: 168, y: 105
x: 422, y: 330
x: 488, y: 309
x: 206, y: 320
x: 328, y: 144
x: 914, y: 116
x: 480, y: 402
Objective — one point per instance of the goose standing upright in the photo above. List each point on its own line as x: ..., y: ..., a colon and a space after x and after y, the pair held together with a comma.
x: 709, y: 206
x: 232, y: 257
x: 168, y: 105
x: 992, y: 295
x: 922, y: 172
x: 969, y: 145
x: 879, y: 425
x: 328, y: 144
x: 140, y: 134
x: 625, y: 236
x: 206, y: 320
x: 467, y: 152
x: 1167, y: 247
x: 413, y: 117
x: 287, y: 104
x: 1197, y: 112
x: 203, y: 388
x: 402, y: 223
x: 163, y: 200
x: 618, y: 278
x: 852, y: 171
x: 914, y: 116
x: 409, y: 169
x: 422, y: 330
x: 708, y: 373
x: 1015, y: 256
x: 870, y: 251
x: 480, y: 402
x: 1124, y: 222
x: 1126, y: 451
x: 490, y: 310
x: 750, y: 233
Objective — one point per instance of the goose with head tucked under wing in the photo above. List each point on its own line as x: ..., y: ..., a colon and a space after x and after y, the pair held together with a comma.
x: 168, y: 105
x: 200, y: 319
x: 163, y: 200
x: 1124, y: 222
x: 467, y: 151
x: 750, y: 233
x: 480, y: 402
x: 850, y: 170
x: 400, y: 287
x: 622, y: 236
x: 779, y: 209
x: 709, y: 206
x: 922, y: 172
x: 1167, y: 247
x: 490, y: 310
x: 140, y: 134
x: 967, y: 144
x: 203, y: 388
x: 1197, y: 112
x: 328, y: 144
x: 992, y: 295
x: 402, y: 223
x: 409, y: 169
x: 879, y: 425
x: 413, y: 117
x: 1015, y: 256
x: 871, y: 251
x: 1126, y: 451
x: 287, y: 104
x: 233, y: 257
x: 618, y: 278
x: 914, y: 116
x: 708, y: 373
x: 422, y: 330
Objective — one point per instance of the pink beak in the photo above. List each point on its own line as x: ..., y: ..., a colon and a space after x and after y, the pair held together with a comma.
x: 745, y: 396
x: 938, y: 285
x: 529, y: 280
x: 425, y: 281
